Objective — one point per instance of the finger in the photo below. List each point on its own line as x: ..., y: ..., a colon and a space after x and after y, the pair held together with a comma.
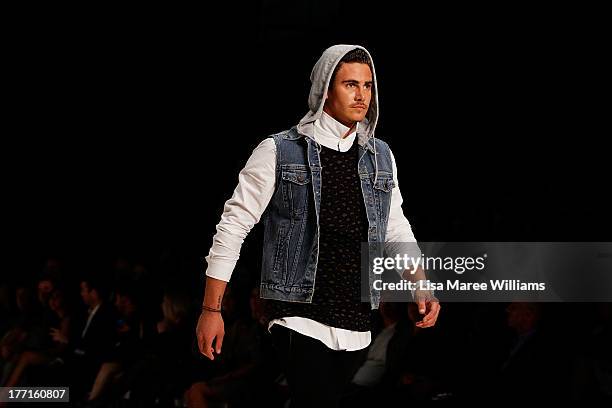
x: 430, y: 319
x: 206, y: 348
x: 200, y: 342
x: 434, y: 319
x: 429, y: 316
x: 429, y: 310
x: 432, y: 314
x: 422, y: 306
x: 424, y: 325
x: 434, y: 308
x: 428, y: 323
x: 219, y: 342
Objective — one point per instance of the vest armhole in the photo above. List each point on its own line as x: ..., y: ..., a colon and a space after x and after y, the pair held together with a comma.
x: 277, y: 178
x: 387, y: 151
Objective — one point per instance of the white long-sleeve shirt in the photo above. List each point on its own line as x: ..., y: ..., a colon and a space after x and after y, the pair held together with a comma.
x: 256, y: 183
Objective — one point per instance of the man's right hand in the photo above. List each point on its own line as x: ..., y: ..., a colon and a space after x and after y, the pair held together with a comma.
x: 210, y: 328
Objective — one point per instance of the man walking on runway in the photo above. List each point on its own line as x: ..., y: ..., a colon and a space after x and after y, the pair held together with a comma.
x: 322, y: 188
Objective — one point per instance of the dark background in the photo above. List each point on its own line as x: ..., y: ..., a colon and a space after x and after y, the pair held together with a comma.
x: 127, y: 128
x: 124, y: 131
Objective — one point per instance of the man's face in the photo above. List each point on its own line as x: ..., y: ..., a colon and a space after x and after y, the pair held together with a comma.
x: 348, y: 98
x: 120, y: 303
x: 85, y: 293
x: 45, y: 287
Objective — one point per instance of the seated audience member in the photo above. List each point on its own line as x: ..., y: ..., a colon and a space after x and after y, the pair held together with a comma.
x: 59, y: 335
x: 163, y: 371
x: 94, y: 337
x: 532, y: 369
x: 13, y: 341
x: 379, y: 371
x: 131, y: 332
x: 245, y: 368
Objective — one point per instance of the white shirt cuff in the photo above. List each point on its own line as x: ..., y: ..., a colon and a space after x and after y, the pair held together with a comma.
x: 220, y: 270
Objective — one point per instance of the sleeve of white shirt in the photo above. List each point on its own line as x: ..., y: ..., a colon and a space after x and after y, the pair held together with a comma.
x: 399, y: 239
x: 243, y: 210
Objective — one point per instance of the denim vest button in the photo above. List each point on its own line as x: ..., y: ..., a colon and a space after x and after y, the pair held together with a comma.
x: 300, y: 177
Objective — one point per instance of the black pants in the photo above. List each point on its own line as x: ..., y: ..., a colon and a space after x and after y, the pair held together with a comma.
x: 317, y: 375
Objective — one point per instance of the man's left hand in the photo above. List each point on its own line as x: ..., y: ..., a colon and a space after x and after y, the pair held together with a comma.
x: 431, y: 309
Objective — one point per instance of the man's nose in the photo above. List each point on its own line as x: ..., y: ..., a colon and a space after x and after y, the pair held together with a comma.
x: 358, y: 94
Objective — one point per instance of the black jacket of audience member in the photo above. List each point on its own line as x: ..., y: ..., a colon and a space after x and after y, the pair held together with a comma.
x: 100, y: 337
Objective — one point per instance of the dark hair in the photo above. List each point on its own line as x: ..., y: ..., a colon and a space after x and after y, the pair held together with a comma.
x: 129, y: 290
x: 46, y: 277
x: 61, y: 293
x: 178, y: 306
x: 100, y: 284
x: 356, y: 55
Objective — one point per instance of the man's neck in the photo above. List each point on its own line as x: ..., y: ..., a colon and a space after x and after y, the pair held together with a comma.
x: 352, y: 126
x: 94, y: 304
x: 351, y: 129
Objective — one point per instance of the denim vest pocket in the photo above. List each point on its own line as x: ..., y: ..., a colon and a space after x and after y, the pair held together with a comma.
x: 384, y: 182
x: 296, y: 187
x: 382, y: 191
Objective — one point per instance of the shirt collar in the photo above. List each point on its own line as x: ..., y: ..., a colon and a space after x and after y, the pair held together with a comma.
x: 92, y: 311
x: 328, y: 132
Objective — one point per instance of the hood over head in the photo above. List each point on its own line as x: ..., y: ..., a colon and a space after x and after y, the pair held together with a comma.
x: 320, y: 77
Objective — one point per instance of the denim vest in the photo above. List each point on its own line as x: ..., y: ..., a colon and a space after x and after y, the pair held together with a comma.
x: 291, y: 235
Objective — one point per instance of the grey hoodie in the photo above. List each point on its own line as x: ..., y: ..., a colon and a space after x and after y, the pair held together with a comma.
x: 319, y: 77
